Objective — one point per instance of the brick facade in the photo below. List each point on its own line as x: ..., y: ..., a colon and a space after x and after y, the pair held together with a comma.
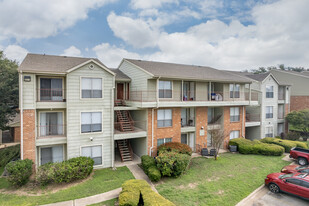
x: 299, y: 103
x: 231, y: 126
x: 286, y: 111
x: 201, y: 121
x: 29, y: 134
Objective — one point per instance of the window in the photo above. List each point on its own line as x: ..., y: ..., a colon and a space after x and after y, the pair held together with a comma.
x: 269, y: 91
x: 164, y: 118
x: 163, y: 141
x: 51, y: 89
x: 165, y: 89
x: 293, y: 181
x: 51, y: 123
x: 187, y: 117
x: 94, y: 152
x: 91, y: 122
x: 234, y: 134
x: 234, y: 114
x: 269, y: 131
x: 51, y: 154
x: 234, y: 90
x: 91, y: 87
x: 304, y: 183
x: 269, y: 112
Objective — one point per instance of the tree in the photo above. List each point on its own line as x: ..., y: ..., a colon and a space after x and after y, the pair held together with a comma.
x: 299, y: 120
x: 8, y: 89
x: 217, y: 139
x: 262, y: 70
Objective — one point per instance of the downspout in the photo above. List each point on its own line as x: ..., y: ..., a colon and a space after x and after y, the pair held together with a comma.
x: 152, y: 119
x: 112, y: 123
x: 243, y: 121
x: 21, y: 117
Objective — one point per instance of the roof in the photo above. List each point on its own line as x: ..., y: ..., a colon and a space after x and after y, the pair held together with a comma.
x: 120, y: 76
x: 51, y: 63
x: 182, y: 71
x: 258, y: 77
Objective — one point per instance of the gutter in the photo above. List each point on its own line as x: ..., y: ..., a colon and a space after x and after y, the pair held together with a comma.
x: 21, y: 117
x: 152, y: 119
x: 112, y: 122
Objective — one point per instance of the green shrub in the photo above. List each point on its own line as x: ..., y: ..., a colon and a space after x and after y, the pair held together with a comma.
x: 287, y: 144
x: 172, y: 163
x: 176, y: 147
x: 293, y: 136
x: 19, y: 171
x: 9, y: 153
x: 137, y: 191
x: 246, y: 146
x: 147, y: 162
x: 154, y: 174
x: 66, y: 171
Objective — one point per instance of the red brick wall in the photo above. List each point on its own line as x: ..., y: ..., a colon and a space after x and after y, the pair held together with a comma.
x: 201, y: 121
x: 299, y: 103
x: 16, y: 134
x: 173, y: 132
x: 286, y: 111
x: 29, y: 134
x: 230, y: 126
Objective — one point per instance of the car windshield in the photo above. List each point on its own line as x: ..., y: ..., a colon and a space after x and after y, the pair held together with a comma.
x: 285, y: 176
x: 301, y: 167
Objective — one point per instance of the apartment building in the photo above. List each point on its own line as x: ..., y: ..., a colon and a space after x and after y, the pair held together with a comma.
x: 298, y: 92
x: 268, y: 118
x: 71, y: 106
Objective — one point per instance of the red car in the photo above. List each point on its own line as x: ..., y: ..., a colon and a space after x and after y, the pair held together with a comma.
x: 295, y: 169
x: 292, y: 183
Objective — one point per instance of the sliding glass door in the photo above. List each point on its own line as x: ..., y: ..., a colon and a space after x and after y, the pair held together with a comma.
x: 51, y: 123
x: 51, y: 89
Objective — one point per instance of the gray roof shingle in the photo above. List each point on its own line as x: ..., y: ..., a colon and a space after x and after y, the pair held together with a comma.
x: 51, y: 63
x: 181, y: 71
x: 120, y: 76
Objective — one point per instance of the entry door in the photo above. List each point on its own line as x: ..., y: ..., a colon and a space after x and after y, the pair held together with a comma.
x: 120, y: 91
x: 191, y: 140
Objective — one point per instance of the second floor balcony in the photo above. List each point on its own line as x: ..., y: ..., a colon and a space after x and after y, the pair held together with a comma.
x: 51, y: 95
x: 51, y: 130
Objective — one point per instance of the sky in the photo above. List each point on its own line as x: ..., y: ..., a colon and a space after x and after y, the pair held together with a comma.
x: 224, y: 34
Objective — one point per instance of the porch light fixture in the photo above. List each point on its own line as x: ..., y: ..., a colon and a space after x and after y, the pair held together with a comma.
x: 27, y: 78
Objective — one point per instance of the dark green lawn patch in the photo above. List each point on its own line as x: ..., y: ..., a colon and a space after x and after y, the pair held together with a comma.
x: 223, y: 182
x: 103, y: 180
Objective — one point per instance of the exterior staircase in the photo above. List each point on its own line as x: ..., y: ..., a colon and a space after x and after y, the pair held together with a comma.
x: 125, y: 150
x: 124, y: 121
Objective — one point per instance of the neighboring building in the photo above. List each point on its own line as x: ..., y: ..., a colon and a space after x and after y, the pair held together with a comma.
x: 299, y: 91
x: 72, y: 106
x: 268, y: 118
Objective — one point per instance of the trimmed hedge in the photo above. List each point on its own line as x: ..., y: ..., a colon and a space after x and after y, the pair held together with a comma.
x: 66, y: 171
x: 287, y: 144
x: 147, y: 162
x: 19, y: 172
x: 9, y: 153
x: 172, y: 163
x: 246, y: 146
x: 175, y: 147
x: 154, y: 174
x: 138, y: 192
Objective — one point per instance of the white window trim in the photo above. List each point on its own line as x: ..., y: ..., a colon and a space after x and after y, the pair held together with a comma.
x: 80, y: 153
x: 53, y: 111
x: 234, y: 115
x: 270, y: 126
x: 172, y: 83
x: 234, y: 90
x: 80, y: 123
x: 235, y: 131
x: 165, y: 119
x: 63, y: 153
x: 164, y: 140
x: 80, y: 88
x: 269, y: 85
x: 50, y: 77
x: 269, y: 113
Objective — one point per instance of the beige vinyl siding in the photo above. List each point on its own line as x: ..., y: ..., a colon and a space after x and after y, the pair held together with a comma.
x: 201, y: 91
x: 76, y: 105
x: 29, y: 92
x: 138, y: 76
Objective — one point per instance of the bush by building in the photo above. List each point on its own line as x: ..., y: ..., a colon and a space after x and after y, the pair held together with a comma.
x: 154, y: 174
x: 175, y: 147
x: 66, y: 171
x: 147, y: 162
x: 19, y: 171
x: 9, y: 153
x: 287, y: 144
x: 138, y: 192
x: 246, y: 146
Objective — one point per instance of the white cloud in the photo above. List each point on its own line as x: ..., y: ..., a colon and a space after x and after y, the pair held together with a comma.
x: 42, y: 18
x: 15, y: 52
x: 111, y: 56
x: 148, y: 4
x: 279, y: 34
x: 72, y: 51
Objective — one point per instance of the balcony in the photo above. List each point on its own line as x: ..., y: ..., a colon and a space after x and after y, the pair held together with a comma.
x: 281, y: 96
x: 57, y: 130
x: 253, y: 120
x: 133, y: 129
x: 51, y: 98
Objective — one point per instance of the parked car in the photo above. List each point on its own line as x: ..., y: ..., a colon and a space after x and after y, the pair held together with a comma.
x: 292, y: 183
x: 295, y: 169
x: 300, y: 154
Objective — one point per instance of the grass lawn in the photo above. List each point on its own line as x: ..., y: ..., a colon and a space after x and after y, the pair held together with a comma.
x: 106, y: 203
x: 222, y: 182
x: 3, y: 182
x: 103, y: 180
